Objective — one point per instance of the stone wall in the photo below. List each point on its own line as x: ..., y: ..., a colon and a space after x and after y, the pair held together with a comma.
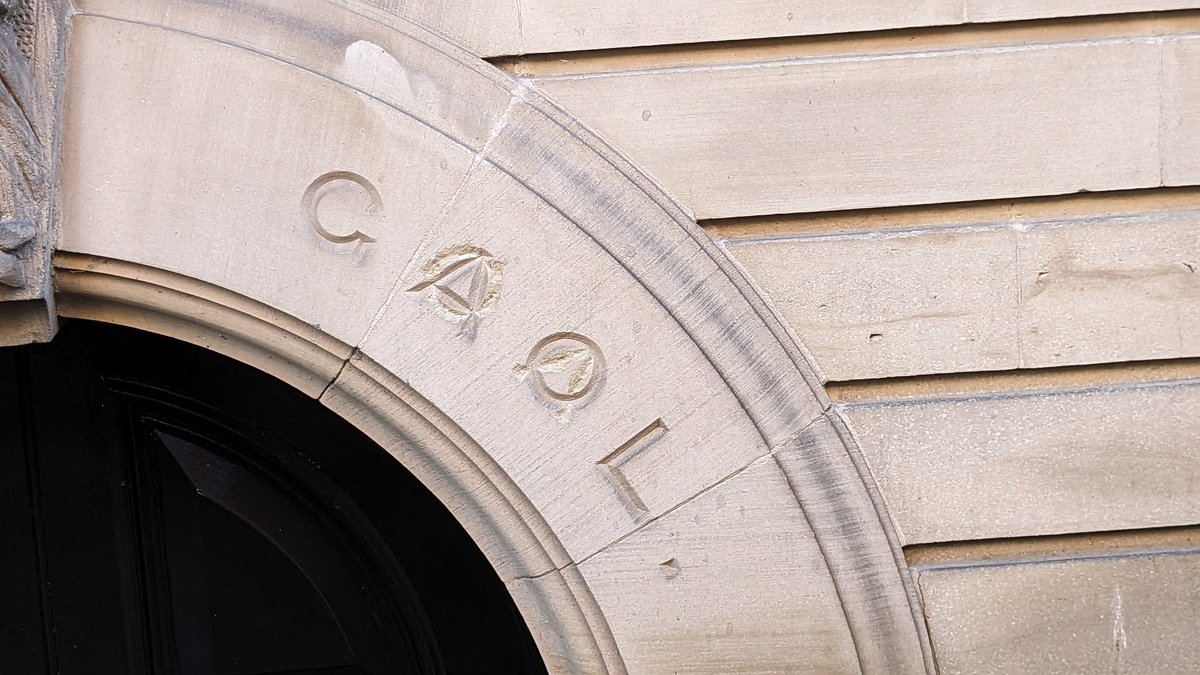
x: 982, y: 219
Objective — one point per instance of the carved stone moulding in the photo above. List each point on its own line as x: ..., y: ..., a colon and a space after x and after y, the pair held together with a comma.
x: 503, y: 303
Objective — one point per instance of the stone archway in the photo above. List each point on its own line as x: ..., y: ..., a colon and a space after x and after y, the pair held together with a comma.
x: 507, y: 305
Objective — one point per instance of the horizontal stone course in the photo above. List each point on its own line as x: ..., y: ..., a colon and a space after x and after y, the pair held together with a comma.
x: 1124, y: 614
x: 991, y: 466
x: 987, y: 297
x: 854, y: 132
x: 1181, y: 118
x: 509, y: 27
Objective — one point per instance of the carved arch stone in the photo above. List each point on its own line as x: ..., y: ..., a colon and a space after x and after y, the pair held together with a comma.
x: 502, y: 301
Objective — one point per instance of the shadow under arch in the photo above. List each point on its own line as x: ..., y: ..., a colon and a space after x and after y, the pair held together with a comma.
x: 562, y: 614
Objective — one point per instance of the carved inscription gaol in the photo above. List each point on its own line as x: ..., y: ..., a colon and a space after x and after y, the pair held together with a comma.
x: 464, y: 282
x: 614, y: 462
x: 565, y: 367
x: 336, y: 201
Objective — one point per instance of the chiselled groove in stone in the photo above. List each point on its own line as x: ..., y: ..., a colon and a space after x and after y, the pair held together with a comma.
x: 614, y: 461
x: 1075, y: 546
x: 465, y: 283
x: 884, y: 38
x: 1031, y: 380
x: 565, y: 367
x: 330, y: 184
x: 1081, y: 206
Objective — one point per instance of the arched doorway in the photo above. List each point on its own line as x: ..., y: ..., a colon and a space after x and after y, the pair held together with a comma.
x: 500, y: 300
x: 169, y: 510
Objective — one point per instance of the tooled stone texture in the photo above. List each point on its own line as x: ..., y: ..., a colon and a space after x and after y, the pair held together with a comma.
x: 14, y: 234
x: 22, y: 160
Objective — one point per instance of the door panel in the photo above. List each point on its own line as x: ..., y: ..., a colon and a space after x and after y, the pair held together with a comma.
x: 242, y: 563
x: 90, y: 565
x: 168, y: 511
x: 22, y: 633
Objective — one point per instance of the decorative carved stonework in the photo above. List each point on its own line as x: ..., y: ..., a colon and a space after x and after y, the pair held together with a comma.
x: 22, y: 157
x: 29, y: 63
x: 14, y: 234
x: 19, y: 14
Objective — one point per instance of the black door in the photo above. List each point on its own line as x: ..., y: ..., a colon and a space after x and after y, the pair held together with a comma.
x: 166, y: 510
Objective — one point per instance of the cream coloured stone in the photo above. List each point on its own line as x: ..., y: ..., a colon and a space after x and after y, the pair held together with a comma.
x: 1114, y: 289
x: 568, y: 645
x: 146, y: 180
x: 678, y: 265
x: 660, y: 586
x: 554, y: 283
x: 1181, y: 111
x: 1017, y: 10
x: 499, y: 28
x: 1125, y: 614
x: 484, y: 27
x: 571, y: 25
x: 1037, y: 463
x: 987, y: 297
x: 887, y: 304
x: 796, y: 136
x: 380, y: 56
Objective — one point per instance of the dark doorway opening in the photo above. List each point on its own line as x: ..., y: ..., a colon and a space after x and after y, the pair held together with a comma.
x: 164, y: 509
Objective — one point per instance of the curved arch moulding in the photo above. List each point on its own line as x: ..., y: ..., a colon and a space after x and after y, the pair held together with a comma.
x: 499, y: 299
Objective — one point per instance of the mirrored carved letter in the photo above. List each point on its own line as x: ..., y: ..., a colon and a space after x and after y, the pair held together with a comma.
x: 334, y: 201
